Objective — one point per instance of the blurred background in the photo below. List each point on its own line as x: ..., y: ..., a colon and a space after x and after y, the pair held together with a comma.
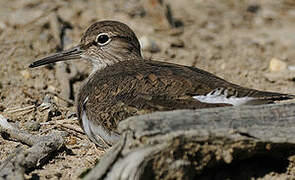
x: 247, y: 42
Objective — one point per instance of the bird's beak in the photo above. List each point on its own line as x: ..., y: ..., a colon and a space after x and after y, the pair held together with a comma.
x: 73, y: 53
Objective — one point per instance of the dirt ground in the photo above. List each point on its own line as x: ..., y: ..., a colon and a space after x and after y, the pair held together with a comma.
x: 235, y: 40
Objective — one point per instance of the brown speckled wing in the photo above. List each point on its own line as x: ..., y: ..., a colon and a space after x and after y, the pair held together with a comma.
x: 138, y: 87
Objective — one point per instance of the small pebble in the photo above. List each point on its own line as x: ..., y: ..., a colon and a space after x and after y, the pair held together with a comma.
x: 178, y: 43
x: 2, y: 25
x: 148, y: 44
x: 175, y: 32
x: 26, y: 74
x: 277, y: 65
x: 51, y: 88
x: 64, y: 133
x: 2, y: 108
x: 32, y: 126
x: 254, y: 8
x: 291, y: 68
x: 72, y: 141
x: 47, y: 99
x: 223, y: 66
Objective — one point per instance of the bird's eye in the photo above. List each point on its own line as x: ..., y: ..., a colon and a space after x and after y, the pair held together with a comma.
x: 102, y: 39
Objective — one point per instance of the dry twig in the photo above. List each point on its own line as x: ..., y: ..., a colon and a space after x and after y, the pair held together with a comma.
x: 23, y: 160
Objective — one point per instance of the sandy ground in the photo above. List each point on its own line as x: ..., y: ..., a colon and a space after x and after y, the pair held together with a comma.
x: 234, y: 39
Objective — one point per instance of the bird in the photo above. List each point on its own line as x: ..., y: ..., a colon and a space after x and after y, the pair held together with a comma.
x: 124, y: 84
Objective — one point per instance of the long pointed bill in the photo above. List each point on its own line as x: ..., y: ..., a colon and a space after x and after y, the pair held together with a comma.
x: 73, y: 53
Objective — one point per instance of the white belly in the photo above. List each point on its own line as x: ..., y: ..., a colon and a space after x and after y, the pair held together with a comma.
x: 97, y: 133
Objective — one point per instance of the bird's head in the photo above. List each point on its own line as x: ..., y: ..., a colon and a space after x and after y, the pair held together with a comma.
x: 103, y: 43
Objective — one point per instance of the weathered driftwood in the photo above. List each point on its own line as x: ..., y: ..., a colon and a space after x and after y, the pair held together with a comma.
x: 230, y: 142
x: 22, y: 160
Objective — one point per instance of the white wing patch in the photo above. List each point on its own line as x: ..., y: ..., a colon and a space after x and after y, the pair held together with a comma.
x: 97, y: 133
x: 220, y: 96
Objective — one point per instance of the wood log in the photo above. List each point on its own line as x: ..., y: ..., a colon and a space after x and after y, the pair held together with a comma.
x: 43, y: 147
x: 231, y: 142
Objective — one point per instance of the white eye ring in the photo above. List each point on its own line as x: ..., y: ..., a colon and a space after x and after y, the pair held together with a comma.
x: 103, y: 39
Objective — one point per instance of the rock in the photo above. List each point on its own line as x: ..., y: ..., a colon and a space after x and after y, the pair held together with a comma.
x: 72, y: 141
x: 275, y: 77
x: 277, y: 65
x: 2, y: 26
x: 148, y: 44
x: 26, y: 74
x: 47, y: 100
x: 2, y: 107
x: 253, y: 8
x: 178, y: 43
x: 51, y: 88
x: 291, y: 68
x: 268, y: 14
x: 32, y: 126
x: 23, y: 17
x: 175, y: 31
x: 223, y: 66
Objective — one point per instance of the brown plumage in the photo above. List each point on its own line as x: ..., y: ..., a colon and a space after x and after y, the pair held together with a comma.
x: 124, y: 84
